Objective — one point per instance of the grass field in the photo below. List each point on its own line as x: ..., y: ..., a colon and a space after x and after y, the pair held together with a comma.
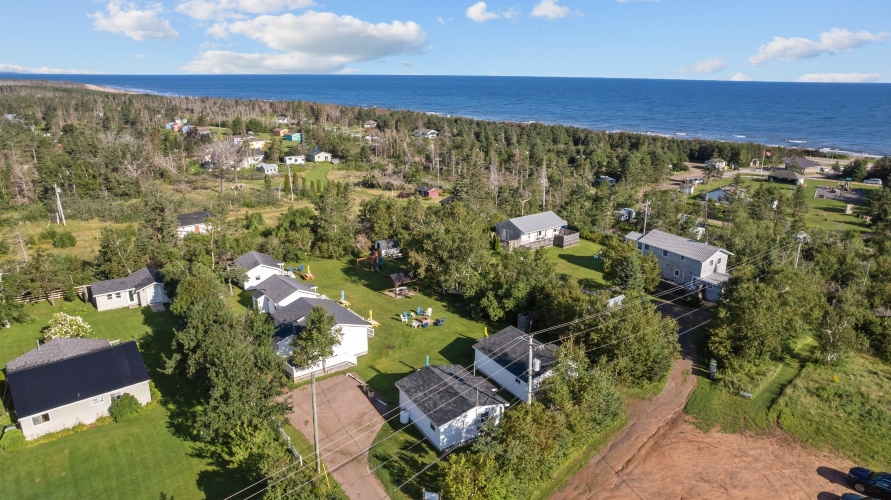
x: 578, y: 261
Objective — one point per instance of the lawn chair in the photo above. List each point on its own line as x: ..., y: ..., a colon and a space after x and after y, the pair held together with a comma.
x: 403, y: 318
x: 439, y: 322
x: 424, y: 324
x: 420, y: 311
x: 429, y: 311
x: 300, y: 268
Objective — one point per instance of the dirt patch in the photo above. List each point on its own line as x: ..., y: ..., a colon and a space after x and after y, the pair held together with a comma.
x: 348, y: 424
x: 681, y: 461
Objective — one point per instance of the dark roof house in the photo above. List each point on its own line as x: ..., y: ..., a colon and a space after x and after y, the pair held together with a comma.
x: 193, y: 218
x: 278, y: 287
x: 295, y: 312
x: 444, y: 393
x: 509, y: 349
x: 253, y: 259
x: 786, y: 176
x: 55, y: 350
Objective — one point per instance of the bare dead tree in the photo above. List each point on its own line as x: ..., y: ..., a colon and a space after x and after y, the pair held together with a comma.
x: 224, y: 155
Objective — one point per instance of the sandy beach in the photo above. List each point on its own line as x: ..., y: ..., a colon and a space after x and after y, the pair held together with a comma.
x: 106, y: 89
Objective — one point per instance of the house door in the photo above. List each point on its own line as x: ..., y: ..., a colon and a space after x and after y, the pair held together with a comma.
x: 132, y: 297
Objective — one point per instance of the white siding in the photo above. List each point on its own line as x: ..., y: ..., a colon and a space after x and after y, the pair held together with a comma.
x: 256, y: 275
x: 459, y: 430
x: 515, y: 385
x: 182, y: 231
x: 353, y: 345
x: 80, y: 412
x: 103, y: 303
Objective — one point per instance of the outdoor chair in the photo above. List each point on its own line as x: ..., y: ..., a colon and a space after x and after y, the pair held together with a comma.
x: 439, y: 322
x: 300, y: 268
x: 420, y: 311
x: 403, y: 318
x: 429, y: 311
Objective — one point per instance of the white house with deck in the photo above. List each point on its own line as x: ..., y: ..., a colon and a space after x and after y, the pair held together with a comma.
x: 290, y: 321
x: 448, y: 404
x: 66, y: 382
x: 143, y: 287
x: 504, y: 357
x: 545, y: 229
x: 686, y: 261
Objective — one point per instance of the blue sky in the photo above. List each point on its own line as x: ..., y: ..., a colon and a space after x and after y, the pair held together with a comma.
x: 777, y: 40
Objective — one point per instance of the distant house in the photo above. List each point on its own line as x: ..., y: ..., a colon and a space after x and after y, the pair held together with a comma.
x: 279, y: 290
x: 294, y: 137
x: 192, y: 223
x: 427, y: 192
x: 535, y: 231
x: 387, y: 248
x: 237, y: 139
x: 605, y: 179
x: 260, y: 266
x: 448, y: 200
x: 426, y: 133
x: 295, y: 160
x: 66, y: 382
x: 721, y: 195
x: 686, y: 261
x: 318, y: 156
x: 448, y: 404
x: 176, y: 127
x: 291, y: 320
x: 283, y: 119
x: 716, y: 162
x: 279, y: 132
x: 504, y: 357
x: 198, y: 131
x: 268, y: 168
x: 142, y: 288
x: 786, y: 176
x: 369, y: 124
x: 804, y: 164
x: 255, y: 143
x: 625, y: 214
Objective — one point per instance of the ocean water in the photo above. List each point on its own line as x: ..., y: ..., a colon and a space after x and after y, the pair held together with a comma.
x: 850, y: 117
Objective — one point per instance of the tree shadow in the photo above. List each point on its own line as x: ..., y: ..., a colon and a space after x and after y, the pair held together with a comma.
x: 825, y: 495
x: 834, y: 476
x: 408, y: 460
x: 246, y: 298
x: 459, y: 351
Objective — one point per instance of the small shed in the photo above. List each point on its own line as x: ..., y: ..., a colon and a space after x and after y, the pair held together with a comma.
x: 293, y: 136
x: 428, y: 192
x: 279, y: 132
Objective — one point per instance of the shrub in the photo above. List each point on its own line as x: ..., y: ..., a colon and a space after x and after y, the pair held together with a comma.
x: 4, y: 247
x: 12, y: 440
x: 124, y: 408
x: 64, y: 239
x: 64, y: 326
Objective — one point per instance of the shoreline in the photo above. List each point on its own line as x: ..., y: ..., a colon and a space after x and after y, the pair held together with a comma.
x: 99, y: 88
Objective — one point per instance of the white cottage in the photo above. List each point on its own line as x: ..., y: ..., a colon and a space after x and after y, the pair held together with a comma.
x: 277, y: 291
x: 504, y: 357
x: 192, y: 223
x: 535, y: 231
x: 290, y: 320
x: 295, y: 160
x: 448, y: 404
x: 66, y: 382
x: 260, y: 266
x: 142, y: 288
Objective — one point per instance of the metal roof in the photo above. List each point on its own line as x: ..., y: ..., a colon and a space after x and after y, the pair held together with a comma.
x: 511, y: 351
x: 55, y: 350
x: 536, y: 222
x: 446, y: 392
x: 41, y: 388
x: 690, y: 249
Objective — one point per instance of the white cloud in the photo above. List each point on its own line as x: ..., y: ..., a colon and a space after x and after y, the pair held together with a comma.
x: 712, y: 65
x: 840, y: 77
x: 479, y: 12
x: 740, y: 77
x: 313, y: 42
x: 140, y: 56
x: 234, y: 9
x: 124, y: 18
x: 833, y: 41
x: 14, y: 68
x: 549, y: 9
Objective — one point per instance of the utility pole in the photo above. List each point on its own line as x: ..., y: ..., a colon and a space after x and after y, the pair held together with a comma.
x: 315, y: 426
x: 59, y: 204
x: 646, y: 214
x: 544, y: 184
x: 801, y: 237
x: 291, y: 183
x: 529, y: 374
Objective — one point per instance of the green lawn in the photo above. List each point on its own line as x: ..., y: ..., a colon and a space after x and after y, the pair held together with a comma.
x: 318, y: 172
x: 142, y: 458
x: 578, y: 261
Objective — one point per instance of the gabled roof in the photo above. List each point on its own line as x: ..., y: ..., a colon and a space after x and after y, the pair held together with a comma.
x: 690, y: 249
x: 786, y: 174
x: 296, y: 311
x: 44, y: 387
x: 193, y: 218
x: 278, y: 287
x: 268, y: 166
x: 425, y: 131
x: 511, y: 351
x: 802, y: 162
x: 386, y: 244
x: 55, y: 350
x: 446, y: 392
x: 140, y: 279
x: 536, y: 222
x: 253, y: 259
x: 427, y: 188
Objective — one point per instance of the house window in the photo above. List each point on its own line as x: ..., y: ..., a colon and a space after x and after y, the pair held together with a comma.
x: 711, y: 262
x: 646, y: 247
x: 432, y: 426
x: 40, y: 419
x: 719, y: 259
x: 665, y: 253
x: 677, y: 273
x: 485, y: 416
x: 115, y: 395
x: 108, y: 297
x: 257, y: 278
x: 517, y: 381
x: 639, y: 246
x: 683, y: 258
x: 98, y: 399
x: 117, y: 295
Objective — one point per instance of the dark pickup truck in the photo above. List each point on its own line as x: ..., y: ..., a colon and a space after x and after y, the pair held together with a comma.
x: 877, y: 484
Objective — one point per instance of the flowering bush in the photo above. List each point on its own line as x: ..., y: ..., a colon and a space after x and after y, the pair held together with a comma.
x: 64, y: 326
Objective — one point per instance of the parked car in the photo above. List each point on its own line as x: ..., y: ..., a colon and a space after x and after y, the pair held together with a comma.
x: 698, y: 181
x: 864, y: 480
x: 877, y: 182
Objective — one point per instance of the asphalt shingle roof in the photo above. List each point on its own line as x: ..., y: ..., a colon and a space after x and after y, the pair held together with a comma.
x: 690, y: 249
x: 44, y: 387
x: 537, y: 222
x: 292, y: 313
x: 446, y: 392
x: 786, y: 174
x: 278, y: 287
x: 140, y: 279
x: 193, y: 218
x: 55, y: 350
x: 509, y: 350
x: 803, y: 162
x: 253, y: 259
